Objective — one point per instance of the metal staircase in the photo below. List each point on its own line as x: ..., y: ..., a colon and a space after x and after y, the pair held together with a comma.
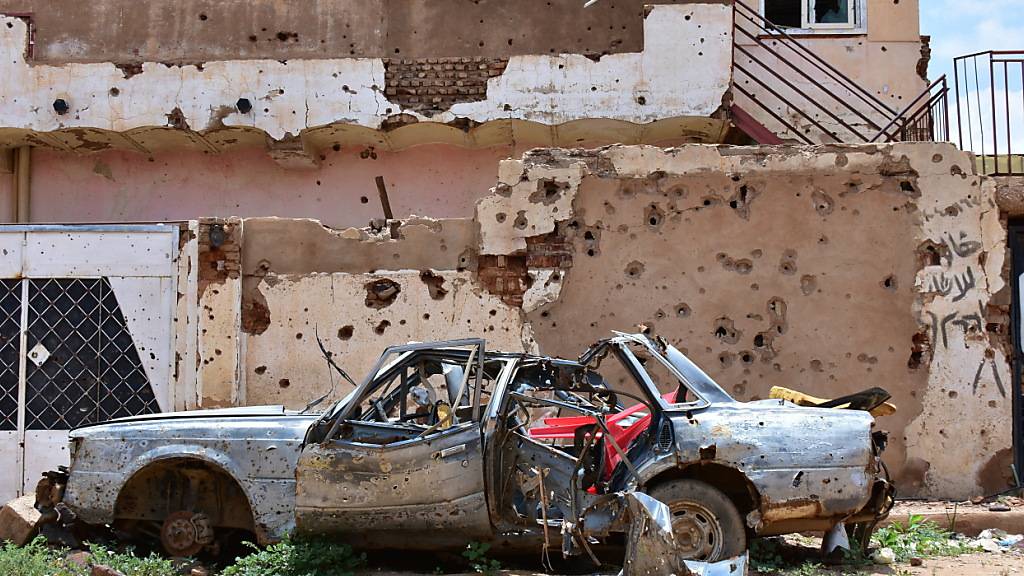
x: 784, y: 92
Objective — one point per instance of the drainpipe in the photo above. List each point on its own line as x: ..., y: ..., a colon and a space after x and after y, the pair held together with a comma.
x: 22, y: 184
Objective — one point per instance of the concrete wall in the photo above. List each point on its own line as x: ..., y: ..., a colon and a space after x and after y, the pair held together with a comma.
x: 125, y: 31
x: 309, y: 105
x: 827, y: 269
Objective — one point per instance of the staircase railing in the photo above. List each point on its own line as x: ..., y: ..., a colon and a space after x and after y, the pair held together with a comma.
x: 925, y: 119
x: 769, y: 64
x: 989, y: 111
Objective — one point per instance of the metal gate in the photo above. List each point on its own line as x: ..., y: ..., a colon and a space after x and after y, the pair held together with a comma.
x: 85, y: 336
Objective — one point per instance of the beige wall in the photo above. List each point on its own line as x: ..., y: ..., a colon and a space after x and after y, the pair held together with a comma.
x: 825, y: 269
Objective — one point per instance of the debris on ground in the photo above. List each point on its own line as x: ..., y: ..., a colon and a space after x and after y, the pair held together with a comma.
x: 19, y: 520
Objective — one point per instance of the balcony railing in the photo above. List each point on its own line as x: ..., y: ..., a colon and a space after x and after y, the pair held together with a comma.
x: 989, y: 91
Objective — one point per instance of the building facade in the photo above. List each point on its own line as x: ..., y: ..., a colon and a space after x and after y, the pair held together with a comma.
x: 193, y: 198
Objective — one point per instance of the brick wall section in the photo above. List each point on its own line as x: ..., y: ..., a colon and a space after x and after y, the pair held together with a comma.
x: 435, y: 84
x: 218, y: 263
x: 508, y: 276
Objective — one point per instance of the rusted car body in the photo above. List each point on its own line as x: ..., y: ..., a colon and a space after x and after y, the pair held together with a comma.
x: 433, y: 449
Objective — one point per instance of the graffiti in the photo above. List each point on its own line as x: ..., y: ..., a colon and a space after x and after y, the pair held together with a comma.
x: 944, y: 284
x: 968, y: 322
x: 961, y: 247
x: 995, y: 373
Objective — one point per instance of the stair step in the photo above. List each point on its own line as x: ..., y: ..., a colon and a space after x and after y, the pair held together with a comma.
x: 749, y: 125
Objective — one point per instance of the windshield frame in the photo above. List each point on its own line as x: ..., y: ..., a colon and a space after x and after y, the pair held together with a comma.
x: 703, y: 387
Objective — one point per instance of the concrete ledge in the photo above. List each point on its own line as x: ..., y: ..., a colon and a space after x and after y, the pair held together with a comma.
x: 968, y: 520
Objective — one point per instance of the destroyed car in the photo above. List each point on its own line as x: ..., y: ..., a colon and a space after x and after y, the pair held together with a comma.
x: 445, y: 443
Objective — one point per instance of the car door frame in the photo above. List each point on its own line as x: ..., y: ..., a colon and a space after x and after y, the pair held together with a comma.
x: 438, y: 488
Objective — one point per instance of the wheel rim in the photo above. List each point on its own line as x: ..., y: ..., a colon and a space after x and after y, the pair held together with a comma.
x: 698, y: 532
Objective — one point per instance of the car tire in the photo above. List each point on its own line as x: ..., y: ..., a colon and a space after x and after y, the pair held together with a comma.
x: 707, y: 524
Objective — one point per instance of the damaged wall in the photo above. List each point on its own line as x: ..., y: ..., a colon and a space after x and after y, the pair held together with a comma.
x: 203, y: 30
x: 806, y: 268
x: 828, y: 269
x: 86, y: 107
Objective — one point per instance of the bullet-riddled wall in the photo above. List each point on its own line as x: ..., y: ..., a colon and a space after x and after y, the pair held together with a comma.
x: 827, y: 269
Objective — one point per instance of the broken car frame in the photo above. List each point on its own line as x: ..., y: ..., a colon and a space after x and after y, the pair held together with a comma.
x: 442, y: 443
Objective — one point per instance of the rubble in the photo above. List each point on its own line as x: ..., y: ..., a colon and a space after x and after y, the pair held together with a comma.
x: 19, y: 520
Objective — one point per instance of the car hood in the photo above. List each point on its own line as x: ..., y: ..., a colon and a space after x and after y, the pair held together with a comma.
x: 241, y: 412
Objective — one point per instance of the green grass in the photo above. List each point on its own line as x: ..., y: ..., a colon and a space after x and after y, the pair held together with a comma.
x: 920, y: 538
x: 38, y: 559
x: 288, y: 558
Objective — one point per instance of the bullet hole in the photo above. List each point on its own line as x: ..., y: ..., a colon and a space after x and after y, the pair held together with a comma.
x: 798, y: 478
x: 60, y: 106
x: 381, y: 293
x: 726, y: 331
x: 298, y: 335
x: 739, y: 389
x: 777, y: 315
x: 500, y: 217
x: 823, y: 203
x: 823, y: 239
x: 708, y: 452
x: 336, y: 147
x: 919, y: 350
x: 203, y: 17
x: 260, y: 370
x: 115, y: 91
x: 641, y: 100
x: 931, y: 254
x: 253, y: 38
x: 816, y: 366
x: 379, y: 329
x: 759, y: 341
x: 634, y: 269
x: 787, y: 264
x: 548, y: 191
x: 741, y: 200
x: 345, y: 332
x: 243, y: 105
x: 286, y: 36
x: 808, y: 284
x: 936, y: 158
x: 363, y: 200
x: 710, y: 201
x: 725, y: 359
x: 741, y: 266
x: 747, y: 357
x: 653, y: 216
x: 889, y: 282
x: 683, y: 310
x: 866, y: 359
x: 908, y: 187
x: 521, y: 222
x: 284, y: 383
x: 678, y: 192
x: 435, y: 285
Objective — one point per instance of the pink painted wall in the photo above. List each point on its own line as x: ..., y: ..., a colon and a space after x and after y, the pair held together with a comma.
x: 430, y: 180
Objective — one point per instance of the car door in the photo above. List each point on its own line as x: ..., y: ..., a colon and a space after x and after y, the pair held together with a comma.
x: 378, y: 471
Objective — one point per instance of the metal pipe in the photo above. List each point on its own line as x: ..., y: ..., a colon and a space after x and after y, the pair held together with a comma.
x: 22, y: 184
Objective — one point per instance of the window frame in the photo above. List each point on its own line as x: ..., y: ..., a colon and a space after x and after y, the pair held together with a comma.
x: 856, y: 26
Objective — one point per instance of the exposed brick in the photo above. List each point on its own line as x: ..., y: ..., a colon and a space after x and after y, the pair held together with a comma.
x: 440, y: 82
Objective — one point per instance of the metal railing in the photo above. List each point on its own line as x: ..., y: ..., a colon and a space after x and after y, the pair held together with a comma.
x: 925, y: 119
x: 769, y: 64
x: 989, y: 113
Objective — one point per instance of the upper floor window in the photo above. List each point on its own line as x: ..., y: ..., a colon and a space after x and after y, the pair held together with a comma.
x: 812, y: 15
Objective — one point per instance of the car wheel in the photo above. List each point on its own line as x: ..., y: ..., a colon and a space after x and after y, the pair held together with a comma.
x: 706, y: 523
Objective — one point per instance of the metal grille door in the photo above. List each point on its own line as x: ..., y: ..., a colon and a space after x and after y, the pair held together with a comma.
x: 10, y: 332
x: 86, y: 335
x: 82, y: 364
